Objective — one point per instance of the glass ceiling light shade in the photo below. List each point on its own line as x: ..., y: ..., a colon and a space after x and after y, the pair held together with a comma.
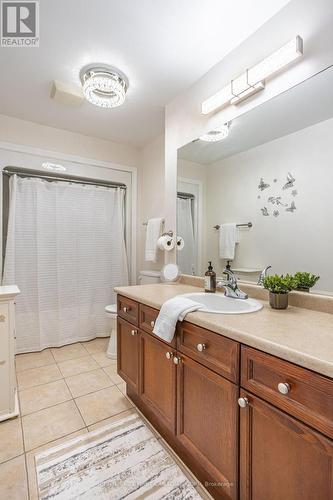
x: 216, y: 135
x: 253, y: 79
x: 104, y: 86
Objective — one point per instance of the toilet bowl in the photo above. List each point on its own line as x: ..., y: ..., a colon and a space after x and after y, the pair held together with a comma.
x: 111, y: 312
x: 149, y: 277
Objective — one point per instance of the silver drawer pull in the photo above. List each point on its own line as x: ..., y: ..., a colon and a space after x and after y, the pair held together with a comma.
x: 168, y: 355
x: 2, y: 318
x: 126, y: 309
x: 284, y: 388
x: 152, y: 324
x: 243, y: 402
x: 201, y: 347
x: 134, y: 332
x: 177, y: 360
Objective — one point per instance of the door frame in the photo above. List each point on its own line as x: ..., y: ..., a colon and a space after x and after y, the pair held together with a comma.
x: 20, y: 151
x: 198, y: 223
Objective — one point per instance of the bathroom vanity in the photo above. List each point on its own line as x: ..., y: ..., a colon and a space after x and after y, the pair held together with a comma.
x: 248, y: 423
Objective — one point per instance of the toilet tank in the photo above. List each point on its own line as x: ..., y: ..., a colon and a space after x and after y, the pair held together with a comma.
x: 147, y: 277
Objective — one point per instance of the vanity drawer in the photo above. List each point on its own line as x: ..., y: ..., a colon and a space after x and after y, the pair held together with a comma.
x: 210, y: 349
x: 128, y: 309
x: 298, y: 391
x: 147, y: 318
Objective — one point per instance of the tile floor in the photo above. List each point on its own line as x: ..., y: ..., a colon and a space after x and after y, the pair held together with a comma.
x: 63, y: 393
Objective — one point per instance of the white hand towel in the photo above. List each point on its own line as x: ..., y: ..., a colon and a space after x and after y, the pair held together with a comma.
x: 153, y: 233
x: 228, y: 238
x: 173, y: 310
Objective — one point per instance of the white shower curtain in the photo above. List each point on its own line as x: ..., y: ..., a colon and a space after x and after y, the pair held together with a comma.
x: 66, y: 251
x: 186, y: 257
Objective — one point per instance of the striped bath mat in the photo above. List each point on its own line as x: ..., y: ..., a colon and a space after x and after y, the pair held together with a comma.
x: 122, y: 460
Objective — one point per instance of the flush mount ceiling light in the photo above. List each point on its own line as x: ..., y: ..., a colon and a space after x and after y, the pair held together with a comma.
x: 216, y: 135
x: 104, y: 86
x: 253, y: 79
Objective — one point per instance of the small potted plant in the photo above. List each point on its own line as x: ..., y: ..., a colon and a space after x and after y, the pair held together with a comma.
x: 305, y: 281
x: 279, y: 288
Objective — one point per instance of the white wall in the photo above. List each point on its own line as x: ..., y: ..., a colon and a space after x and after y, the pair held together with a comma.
x: 299, y: 241
x: 311, y: 20
x: 150, y: 196
x: 39, y: 136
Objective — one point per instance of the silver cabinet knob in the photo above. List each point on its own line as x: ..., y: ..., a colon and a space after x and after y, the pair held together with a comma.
x: 169, y: 355
x: 134, y: 332
x: 243, y: 402
x: 284, y: 387
x: 2, y: 318
x: 126, y: 309
x: 152, y: 324
x: 177, y: 360
x: 201, y: 347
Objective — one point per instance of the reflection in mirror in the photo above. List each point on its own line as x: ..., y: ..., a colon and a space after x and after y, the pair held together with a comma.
x: 274, y: 169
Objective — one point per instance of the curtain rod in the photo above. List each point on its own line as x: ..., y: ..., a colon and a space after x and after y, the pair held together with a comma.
x: 185, y: 196
x: 55, y: 177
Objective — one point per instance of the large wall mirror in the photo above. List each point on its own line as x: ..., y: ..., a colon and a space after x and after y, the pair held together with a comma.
x: 272, y: 177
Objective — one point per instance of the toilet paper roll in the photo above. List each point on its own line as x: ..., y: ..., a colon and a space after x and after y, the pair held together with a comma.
x: 166, y: 243
x: 180, y: 243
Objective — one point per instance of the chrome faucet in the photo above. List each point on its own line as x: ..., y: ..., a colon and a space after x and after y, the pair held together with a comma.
x: 231, y: 287
x: 263, y: 275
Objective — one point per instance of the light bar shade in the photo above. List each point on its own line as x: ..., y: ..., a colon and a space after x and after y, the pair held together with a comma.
x: 253, y: 79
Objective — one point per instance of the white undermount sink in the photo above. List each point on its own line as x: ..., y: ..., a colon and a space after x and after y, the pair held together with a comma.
x: 220, y: 304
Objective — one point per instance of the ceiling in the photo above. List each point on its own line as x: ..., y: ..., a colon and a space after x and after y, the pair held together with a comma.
x: 162, y: 46
x: 302, y: 106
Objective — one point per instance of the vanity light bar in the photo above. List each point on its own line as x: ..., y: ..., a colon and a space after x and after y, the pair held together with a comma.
x: 253, y: 79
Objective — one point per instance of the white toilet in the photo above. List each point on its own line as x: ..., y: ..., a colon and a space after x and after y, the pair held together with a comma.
x: 149, y: 277
x: 145, y: 278
x: 111, y: 312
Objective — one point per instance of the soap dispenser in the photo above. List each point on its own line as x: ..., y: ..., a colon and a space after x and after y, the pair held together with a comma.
x: 210, y: 279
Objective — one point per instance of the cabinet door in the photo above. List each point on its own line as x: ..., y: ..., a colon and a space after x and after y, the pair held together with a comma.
x: 207, y: 424
x: 158, y: 380
x: 6, y: 399
x: 128, y: 353
x: 281, y: 458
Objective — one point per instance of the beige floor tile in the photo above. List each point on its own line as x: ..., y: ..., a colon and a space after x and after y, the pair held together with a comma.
x: 42, y: 396
x: 109, y: 420
x: 102, y: 404
x: 30, y: 457
x: 76, y: 366
x: 11, y: 442
x: 96, y: 345
x: 122, y: 387
x: 38, y: 376
x: 111, y: 371
x: 66, y: 352
x: 50, y: 424
x: 102, y: 359
x: 84, y: 383
x: 13, y: 480
x: 33, y: 360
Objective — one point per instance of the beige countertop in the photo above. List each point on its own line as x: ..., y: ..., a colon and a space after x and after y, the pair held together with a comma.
x: 302, y: 336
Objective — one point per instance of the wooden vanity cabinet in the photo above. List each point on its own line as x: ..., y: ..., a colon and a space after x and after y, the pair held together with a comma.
x: 158, y: 380
x: 128, y: 353
x: 275, y: 444
x: 280, y: 457
x: 207, y: 424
